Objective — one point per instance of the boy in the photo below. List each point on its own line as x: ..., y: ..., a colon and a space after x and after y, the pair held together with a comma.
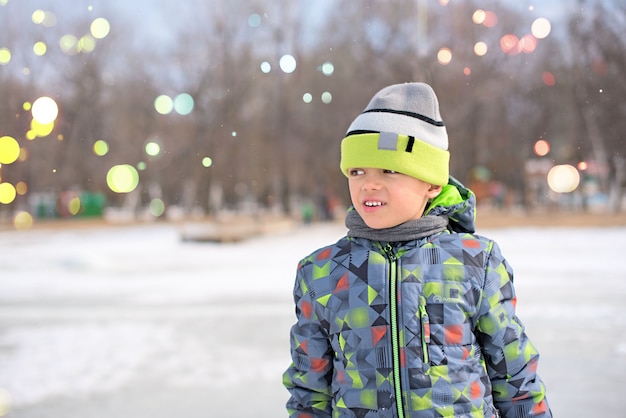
x: 411, y: 314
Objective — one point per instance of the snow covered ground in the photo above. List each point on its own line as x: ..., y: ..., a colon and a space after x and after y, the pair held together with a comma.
x: 134, y: 322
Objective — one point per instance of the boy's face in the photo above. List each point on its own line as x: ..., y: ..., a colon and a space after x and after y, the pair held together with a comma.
x: 385, y: 198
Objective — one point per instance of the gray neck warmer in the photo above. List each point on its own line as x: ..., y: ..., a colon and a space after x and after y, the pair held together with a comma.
x: 407, y: 231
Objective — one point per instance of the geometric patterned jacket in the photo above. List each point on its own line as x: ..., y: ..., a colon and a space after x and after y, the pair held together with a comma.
x: 423, y: 328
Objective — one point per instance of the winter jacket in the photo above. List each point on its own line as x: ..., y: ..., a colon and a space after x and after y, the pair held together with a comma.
x: 422, y: 328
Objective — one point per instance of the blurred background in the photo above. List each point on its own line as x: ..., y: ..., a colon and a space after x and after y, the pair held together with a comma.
x: 165, y: 164
x: 171, y: 110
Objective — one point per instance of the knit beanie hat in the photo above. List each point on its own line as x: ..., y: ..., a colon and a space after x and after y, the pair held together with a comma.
x: 400, y: 130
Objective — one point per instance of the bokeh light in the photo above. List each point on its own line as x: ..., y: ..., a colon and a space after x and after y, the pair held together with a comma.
x: 122, y: 178
x: 68, y: 44
x: 21, y: 188
x: 480, y: 48
x: 38, y: 16
x: 45, y: 110
x: 541, y: 28
x: 9, y: 150
x: 207, y: 162
x: 157, y: 207
x: 5, y: 56
x: 100, y: 28
x: 183, y: 104
x: 164, y: 104
x: 287, y: 63
x: 45, y: 18
x: 490, y: 20
x: 41, y: 130
x: 100, y: 148
x: 307, y: 97
x: 548, y: 79
x: 327, y: 97
x: 153, y: 148
x: 563, y: 178
x: 73, y: 206
x: 7, y: 193
x: 478, y: 16
x: 541, y: 148
x: 508, y: 44
x: 527, y: 44
x: 266, y: 67
x: 86, y: 44
x: 328, y: 68
x: 444, y: 56
x: 254, y: 20
x: 40, y: 48
x: 22, y: 220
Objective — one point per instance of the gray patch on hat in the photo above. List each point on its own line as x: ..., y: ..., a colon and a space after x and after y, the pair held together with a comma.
x: 388, y: 141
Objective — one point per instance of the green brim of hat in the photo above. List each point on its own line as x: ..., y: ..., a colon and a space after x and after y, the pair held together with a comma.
x: 409, y: 156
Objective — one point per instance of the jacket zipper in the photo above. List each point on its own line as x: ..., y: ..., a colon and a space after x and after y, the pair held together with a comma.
x: 395, y: 332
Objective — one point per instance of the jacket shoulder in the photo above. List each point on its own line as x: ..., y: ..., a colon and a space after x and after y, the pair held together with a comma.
x: 323, y: 255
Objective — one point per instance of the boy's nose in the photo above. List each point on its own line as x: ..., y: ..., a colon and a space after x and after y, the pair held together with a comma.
x: 372, y: 182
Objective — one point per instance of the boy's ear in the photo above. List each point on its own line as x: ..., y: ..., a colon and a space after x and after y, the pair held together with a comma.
x: 433, y: 191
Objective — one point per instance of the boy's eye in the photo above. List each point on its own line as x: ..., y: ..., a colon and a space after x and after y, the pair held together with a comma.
x: 391, y: 172
x: 356, y: 172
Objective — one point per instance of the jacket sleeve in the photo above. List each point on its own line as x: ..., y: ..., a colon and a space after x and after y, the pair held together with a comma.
x: 308, y: 378
x: 511, y: 358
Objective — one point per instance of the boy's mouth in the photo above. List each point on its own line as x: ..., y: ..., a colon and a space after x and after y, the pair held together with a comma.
x: 373, y: 203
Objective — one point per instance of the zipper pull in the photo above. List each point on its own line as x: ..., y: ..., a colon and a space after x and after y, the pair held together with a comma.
x: 425, y: 320
x: 388, y: 250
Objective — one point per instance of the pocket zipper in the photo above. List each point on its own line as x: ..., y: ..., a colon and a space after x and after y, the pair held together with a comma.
x: 425, y: 328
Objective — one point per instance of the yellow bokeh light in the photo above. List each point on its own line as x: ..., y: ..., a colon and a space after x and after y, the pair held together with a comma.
x: 541, y: 28
x: 122, y: 178
x: 41, y: 129
x: 73, y: 206
x: 40, y: 48
x: 45, y: 110
x: 38, y: 16
x: 100, y: 148
x: 563, y: 178
x: 163, y: 104
x: 153, y: 148
x: 5, y: 56
x: 86, y: 44
x: 9, y: 150
x: 444, y: 56
x: 100, y: 28
x: 7, y: 193
x: 207, y: 161
x: 68, y: 44
x: 22, y: 220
